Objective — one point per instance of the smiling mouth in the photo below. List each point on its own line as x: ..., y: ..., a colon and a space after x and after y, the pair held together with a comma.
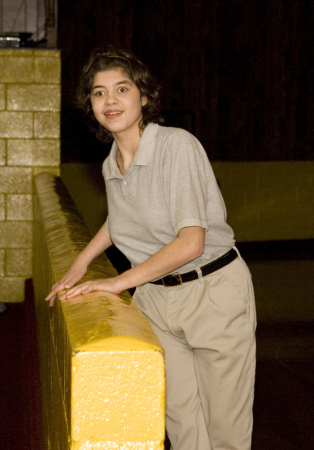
x: 113, y: 114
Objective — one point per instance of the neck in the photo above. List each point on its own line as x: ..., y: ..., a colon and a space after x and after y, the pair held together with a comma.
x: 127, y: 146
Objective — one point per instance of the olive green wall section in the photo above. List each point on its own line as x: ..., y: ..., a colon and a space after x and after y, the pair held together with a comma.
x: 86, y: 186
x: 265, y: 200
x: 29, y: 144
x: 268, y: 200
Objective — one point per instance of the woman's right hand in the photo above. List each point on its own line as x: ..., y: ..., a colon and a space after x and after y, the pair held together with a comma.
x: 100, y: 242
x: 73, y: 275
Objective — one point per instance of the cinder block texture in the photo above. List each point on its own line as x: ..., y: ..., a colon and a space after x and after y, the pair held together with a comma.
x: 15, y: 180
x: 46, y: 125
x: 16, y: 68
x: 13, y: 52
x: 104, y: 386
x: 2, y: 152
x: 29, y: 144
x: 16, y: 124
x: 16, y: 234
x: 19, y: 263
x: 2, y: 255
x: 19, y: 207
x: 35, y: 152
x: 47, y: 70
x: 33, y: 97
x: 2, y: 96
x: 2, y: 207
x: 53, y: 170
x: 12, y: 289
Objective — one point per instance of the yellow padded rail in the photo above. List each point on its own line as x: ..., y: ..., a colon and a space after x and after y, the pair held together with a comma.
x: 102, y: 367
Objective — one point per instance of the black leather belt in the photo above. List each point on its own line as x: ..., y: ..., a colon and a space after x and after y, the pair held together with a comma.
x: 177, y: 278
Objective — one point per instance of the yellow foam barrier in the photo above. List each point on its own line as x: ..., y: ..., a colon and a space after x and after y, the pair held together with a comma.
x: 102, y: 367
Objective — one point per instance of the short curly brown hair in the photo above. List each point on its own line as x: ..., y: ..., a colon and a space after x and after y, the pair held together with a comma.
x: 107, y: 59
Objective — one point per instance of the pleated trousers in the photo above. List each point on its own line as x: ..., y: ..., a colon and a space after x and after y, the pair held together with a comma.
x: 207, y: 329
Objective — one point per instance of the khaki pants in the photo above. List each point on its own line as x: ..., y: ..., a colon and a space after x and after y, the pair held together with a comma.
x: 207, y: 329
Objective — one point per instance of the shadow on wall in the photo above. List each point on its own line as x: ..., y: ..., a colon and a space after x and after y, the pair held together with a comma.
x: 86, y: 186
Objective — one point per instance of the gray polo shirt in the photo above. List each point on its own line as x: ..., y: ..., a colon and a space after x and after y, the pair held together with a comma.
x: 169, y: 185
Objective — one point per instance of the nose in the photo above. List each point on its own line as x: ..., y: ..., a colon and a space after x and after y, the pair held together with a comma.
x: 111, y: 99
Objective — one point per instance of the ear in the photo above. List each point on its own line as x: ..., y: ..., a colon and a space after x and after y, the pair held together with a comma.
x: 144, y: 101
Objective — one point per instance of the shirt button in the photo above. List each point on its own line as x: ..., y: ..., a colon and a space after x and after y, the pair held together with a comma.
x: 125, y: 182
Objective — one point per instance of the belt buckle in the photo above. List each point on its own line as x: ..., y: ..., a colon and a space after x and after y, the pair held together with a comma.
x: 176, y: 275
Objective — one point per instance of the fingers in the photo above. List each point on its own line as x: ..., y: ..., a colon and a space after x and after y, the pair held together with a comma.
x: 55, y: 289
x: 52, y: 296
x: 59, y: 286
x: 83, y: 288
x: 107, y: 285
x: 74, y: 274
x: 52, y: 301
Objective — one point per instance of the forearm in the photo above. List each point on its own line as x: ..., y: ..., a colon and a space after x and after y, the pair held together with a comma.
x: 188, y: 246
x: 100, y: 242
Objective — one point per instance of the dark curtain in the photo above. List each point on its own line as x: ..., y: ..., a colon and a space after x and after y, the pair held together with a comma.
x: 239, y: 74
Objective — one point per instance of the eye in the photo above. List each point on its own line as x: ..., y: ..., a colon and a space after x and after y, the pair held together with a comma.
x: 99, y: 93
x: 122, y: 89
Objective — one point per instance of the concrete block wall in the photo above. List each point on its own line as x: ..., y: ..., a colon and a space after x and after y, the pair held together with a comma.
x: 29, y: 144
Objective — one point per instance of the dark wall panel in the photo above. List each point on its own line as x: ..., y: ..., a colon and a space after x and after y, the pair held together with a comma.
x: 238, y: 73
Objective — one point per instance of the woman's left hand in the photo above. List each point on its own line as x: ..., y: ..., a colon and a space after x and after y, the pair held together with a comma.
x: 108, y: 285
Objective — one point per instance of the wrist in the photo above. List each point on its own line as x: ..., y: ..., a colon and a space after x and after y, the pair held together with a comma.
x: 122, y: 282
x: 82, y: 259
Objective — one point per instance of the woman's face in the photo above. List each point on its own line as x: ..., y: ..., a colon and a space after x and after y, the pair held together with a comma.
x: 117, y: 102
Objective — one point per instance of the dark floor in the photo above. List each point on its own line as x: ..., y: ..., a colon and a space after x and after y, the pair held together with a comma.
x: 20, y: 404
x: 284, y: 399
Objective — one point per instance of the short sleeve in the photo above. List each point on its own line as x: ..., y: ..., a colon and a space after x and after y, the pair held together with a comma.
x: 107, y: 224
x: 189, y: 185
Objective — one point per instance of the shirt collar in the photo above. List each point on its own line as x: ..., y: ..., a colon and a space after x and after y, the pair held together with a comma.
x: 143, y: 153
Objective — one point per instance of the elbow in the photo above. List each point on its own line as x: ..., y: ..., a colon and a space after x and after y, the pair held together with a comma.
x: 199, y: 250
x: 196, y: 248
x: 193, y: 242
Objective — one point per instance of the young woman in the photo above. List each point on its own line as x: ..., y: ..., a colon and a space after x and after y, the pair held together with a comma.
x: 167, y: 215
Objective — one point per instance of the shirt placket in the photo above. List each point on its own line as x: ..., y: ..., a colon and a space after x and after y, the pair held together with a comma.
x: 126, y: 186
